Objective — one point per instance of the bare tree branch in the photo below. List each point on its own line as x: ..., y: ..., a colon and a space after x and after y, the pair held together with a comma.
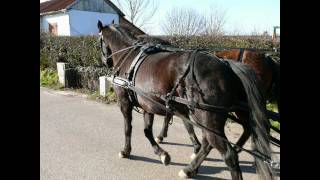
x: 188, y: 22
x: 139, y: 12
x: 183, y: 22
x: 215, y: 21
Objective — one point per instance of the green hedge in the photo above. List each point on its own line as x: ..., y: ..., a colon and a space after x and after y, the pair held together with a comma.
x: 49, y: 78
x: 221, y: 42
x: 85, y: 50
x: 77, y: 51
x: 88, y: 77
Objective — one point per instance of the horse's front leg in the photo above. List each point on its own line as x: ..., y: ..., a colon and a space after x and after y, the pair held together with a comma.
x: 164, y: 130
x: 126, y: 109
x: 148, y: 122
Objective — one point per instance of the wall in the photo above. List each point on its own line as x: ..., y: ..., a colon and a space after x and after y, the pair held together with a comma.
x: 62, y: 21
x: 85, y: 23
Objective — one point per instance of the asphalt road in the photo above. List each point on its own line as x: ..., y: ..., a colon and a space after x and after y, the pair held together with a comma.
x: 81, y: 139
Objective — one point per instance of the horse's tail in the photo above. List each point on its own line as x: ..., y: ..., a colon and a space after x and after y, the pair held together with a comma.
x: 258, y: 122
x: 276, y: 80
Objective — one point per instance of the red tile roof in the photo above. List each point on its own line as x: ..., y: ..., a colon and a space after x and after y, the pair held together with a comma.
x: 55, y: 5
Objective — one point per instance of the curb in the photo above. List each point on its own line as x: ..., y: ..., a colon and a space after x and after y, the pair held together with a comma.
x: 65, y: 92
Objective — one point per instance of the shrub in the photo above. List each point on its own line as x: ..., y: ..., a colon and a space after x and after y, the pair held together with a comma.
x: 49, y: 78
x: 88, y: 77
x: 77, y: 51
x: 85, y: 50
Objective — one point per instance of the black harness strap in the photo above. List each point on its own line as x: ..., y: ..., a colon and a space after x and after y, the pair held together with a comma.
x: 207, y: 107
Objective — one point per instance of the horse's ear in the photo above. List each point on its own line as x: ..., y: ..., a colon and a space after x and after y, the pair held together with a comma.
x: 100, y: 26
x: 112, y: 21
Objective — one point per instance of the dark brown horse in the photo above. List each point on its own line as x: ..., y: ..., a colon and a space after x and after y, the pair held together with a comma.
x: 267, y: 69
x: 268, y: 72
x: 199, y: 78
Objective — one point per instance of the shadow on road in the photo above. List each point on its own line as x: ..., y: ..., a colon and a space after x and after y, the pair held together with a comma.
x: 145, y: 159
x: 207, y: 177
x: 177, y: 144
x: 149, y: 160
x: 203, y: 170
x: 220, y: 160
x: 215, y: 170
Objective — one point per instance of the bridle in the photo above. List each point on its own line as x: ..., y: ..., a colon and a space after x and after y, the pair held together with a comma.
x: 104, y: 52
x: 107, y: 59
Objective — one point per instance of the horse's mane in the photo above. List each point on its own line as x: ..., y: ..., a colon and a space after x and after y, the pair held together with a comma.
x: 124, y: 33
x: 152, y: 40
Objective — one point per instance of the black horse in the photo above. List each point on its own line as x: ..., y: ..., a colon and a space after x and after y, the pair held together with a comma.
x: 195, y: 76
x: 268, y: 72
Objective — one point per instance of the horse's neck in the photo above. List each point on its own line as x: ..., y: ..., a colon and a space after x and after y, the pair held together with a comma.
x: 116, y: 48
x: 123, y: 60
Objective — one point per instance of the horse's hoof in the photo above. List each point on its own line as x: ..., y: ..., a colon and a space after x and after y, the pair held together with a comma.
x: 193, y: 156
x: 182, y: 174
x: 165, y: 158
x: 122, y: 154
x: 186, y: 173
x: 159, y: 140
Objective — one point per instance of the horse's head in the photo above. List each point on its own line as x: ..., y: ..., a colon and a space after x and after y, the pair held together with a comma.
x: 105, y: 49
x: 113, y: 38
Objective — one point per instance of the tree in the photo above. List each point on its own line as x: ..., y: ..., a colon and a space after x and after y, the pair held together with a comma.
x: 215, y: 21
x: 188, y: 22
x: 139, y: 12
x: 183, y: 22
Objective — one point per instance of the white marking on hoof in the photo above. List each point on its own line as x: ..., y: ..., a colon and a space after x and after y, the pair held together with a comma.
x: 162, y: 157
x: 165, y: 159
x: 182, y: 174
x: 158, y: 140
x: 193, y: 156
x: 122, y: 155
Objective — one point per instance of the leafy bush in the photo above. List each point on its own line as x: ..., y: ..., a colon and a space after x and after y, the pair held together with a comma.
x: 222, y: 42
x: 77, y: 51
x: 49, y: 78
x: 85, y: 50
x: 88, y: 77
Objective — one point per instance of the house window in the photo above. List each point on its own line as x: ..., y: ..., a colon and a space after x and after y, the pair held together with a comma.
x: 53, y: 28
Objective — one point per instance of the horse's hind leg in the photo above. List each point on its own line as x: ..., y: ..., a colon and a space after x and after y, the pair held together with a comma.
x: 164, y: 129
x: 243, y: 117
x: 215, y: 122
x: 193, y: 137
x: 229, y: 155
x: 126, y: 109
x: 243, y: 139
x: 192, y: 169
x: 148, y: 122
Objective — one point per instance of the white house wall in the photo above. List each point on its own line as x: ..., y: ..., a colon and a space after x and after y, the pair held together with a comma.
x: 62, y: 20
x: 85, y: 23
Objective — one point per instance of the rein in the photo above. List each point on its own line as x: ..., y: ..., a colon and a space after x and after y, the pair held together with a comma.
x: 130, y: 47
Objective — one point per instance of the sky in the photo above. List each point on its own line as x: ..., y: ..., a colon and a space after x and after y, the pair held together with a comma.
x: 242, y: 16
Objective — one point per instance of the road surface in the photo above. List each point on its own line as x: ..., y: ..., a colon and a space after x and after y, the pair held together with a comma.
x: 81, y: 139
